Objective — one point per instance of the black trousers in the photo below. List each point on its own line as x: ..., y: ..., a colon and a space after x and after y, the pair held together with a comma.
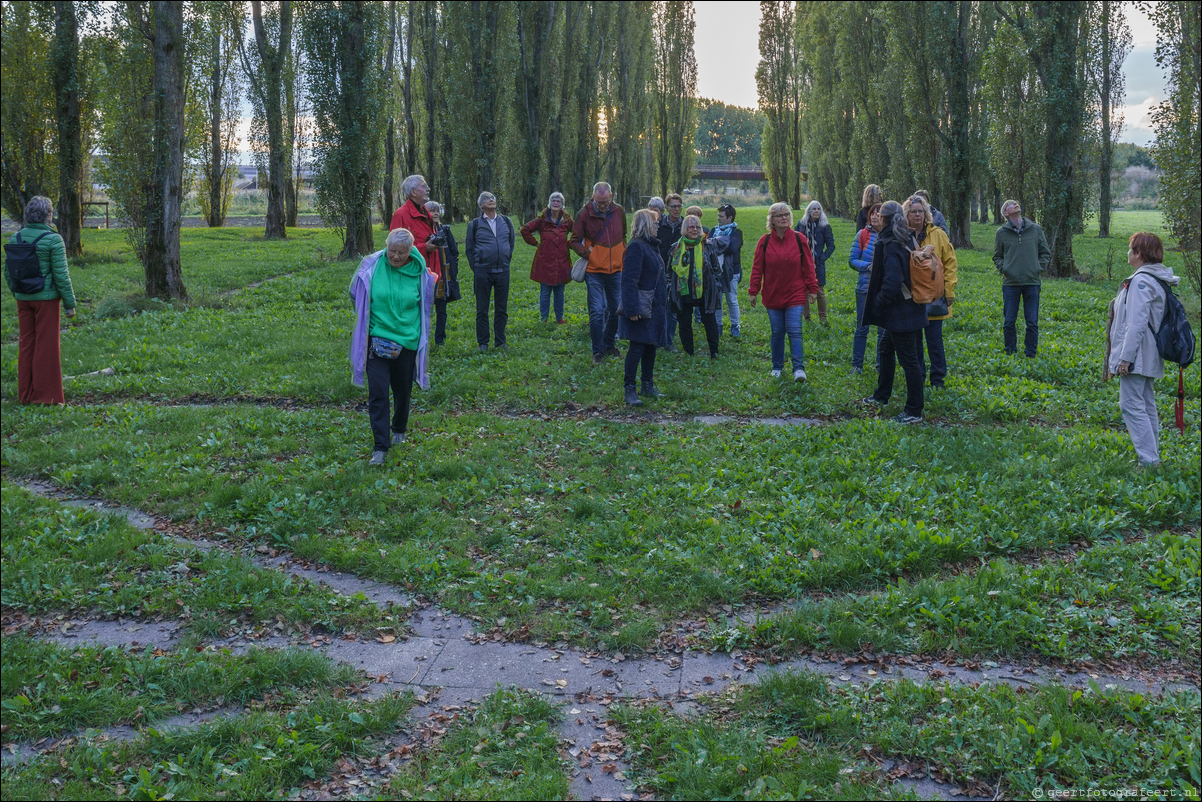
x: 906, y: 347
x: 486, y: 285
x: 383, y: 374
x: 440, y: 320
x: 639, y: 353
x: 709, y: 321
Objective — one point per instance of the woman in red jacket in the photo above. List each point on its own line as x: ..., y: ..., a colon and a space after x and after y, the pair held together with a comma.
x: 551, y: 268
x: 783, y: 268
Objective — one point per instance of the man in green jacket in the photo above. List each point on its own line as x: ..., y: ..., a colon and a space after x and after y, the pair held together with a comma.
x: 1020, y: 254
x: 39, y: 371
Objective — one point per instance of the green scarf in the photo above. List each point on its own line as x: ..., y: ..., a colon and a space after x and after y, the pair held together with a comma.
x: 687, y: 284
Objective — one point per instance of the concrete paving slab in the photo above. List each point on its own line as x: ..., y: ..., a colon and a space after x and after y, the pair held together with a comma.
x: 122, y: 632
x: 404, y: 662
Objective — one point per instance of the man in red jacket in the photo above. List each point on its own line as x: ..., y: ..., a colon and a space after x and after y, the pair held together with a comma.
x: 413, y: 215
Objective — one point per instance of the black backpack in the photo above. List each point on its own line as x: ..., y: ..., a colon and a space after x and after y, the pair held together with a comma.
x: 1174, y: 338
x: 24, y: 267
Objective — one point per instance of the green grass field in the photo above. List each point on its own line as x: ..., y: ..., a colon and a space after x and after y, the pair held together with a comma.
x: 1012, y: 525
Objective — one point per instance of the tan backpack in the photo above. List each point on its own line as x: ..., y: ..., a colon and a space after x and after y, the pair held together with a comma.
x: 926, y: 275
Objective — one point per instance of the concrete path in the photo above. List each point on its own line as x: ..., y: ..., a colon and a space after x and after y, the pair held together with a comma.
x: 440, y: 654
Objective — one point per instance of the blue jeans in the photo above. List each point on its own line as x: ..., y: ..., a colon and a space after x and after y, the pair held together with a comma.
x: 731, y: 294
x: 603, y: 291
x: 544, y: 300
x: 786, y: 321
x: 933, y: 334
x: 1029, y: 295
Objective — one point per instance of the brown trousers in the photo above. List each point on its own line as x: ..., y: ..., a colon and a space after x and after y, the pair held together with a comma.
x: 39, y: 369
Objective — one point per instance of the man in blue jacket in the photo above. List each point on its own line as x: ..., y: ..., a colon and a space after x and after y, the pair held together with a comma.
x: 489, y: 247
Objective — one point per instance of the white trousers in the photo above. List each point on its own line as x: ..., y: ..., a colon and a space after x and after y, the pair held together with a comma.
x: 1139, y: 413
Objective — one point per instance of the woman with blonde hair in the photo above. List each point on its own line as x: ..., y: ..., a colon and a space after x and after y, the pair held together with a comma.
x: 872, y: 196
x: 822, y: 246
x: 922, y: 224
x: 643, y: 310
x: 783, y: 269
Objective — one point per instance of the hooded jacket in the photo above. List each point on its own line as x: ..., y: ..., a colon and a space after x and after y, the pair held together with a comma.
x: 52, y: 257
x: 887, y: 304
x: 1138, y: 312
x: 551, y: 264
x: 1020, y: 256
x: 933, y: 235
x: 360, y: 292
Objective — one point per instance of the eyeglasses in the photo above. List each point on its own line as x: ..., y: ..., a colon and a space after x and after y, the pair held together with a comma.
x: 781, y: 216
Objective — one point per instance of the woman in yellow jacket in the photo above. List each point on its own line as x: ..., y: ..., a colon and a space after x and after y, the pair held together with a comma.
x: 920, y: 221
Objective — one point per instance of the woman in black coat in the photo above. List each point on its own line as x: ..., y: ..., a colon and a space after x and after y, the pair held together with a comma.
x: 447, y: 288
x: 890, y: 307
x: 643, y: 306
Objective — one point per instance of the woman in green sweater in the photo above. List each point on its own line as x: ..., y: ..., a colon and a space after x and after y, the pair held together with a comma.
x: 393, y: 292
x: 39, y: 367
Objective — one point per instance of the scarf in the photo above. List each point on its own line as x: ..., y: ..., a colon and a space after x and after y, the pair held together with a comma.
x: 682, y: 244
x: 724, y: 230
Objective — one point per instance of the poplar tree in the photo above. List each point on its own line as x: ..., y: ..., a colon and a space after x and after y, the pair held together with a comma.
x: 674, y: 89
x: 221, y: 26
x: 27, y: 107
x: 779, y: 84
x: 164, y: 276
x: 266, y: 67
x: 68, y: 88
x: 1108, y: 86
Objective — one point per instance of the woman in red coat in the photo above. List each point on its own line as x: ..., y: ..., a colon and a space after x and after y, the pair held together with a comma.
x: 552, y: 267
x: 783, y: 269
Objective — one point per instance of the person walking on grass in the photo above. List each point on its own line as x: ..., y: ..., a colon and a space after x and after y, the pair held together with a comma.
x: 860, y: 260
x: 393, y: 293
x: 489, y: 246
x: 413, y: 216
x: 643, y: 311
x: 695, y: 284
x: 728, y: 238
x: 1135, y: 316
x: 599, y: 235
x: 783, y: 269
x: 1020, y: 254
x: 822, y: 246
x: 891, y: 307
x: 45, y: 286
x: 552, y: 268
x: 447, y: 288
x: 927, y: 232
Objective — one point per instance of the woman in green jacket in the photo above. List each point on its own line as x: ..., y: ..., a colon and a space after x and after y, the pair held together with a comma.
x: 39, y: 366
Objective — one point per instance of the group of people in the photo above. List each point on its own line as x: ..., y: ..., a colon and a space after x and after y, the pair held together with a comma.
x: 668, y: 272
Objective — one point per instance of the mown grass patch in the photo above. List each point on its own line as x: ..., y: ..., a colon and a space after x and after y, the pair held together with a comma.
x: 263, y: 755
x: 602, y: 533
x: 52, y: 690
x: 795, y: 736
x: 507, y: 748
x: 58, y: 558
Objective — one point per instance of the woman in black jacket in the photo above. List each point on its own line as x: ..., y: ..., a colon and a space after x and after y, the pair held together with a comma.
x: 643, y: 311
x: 890, y: 306
x: 822, y: 245
x: 447, y: 289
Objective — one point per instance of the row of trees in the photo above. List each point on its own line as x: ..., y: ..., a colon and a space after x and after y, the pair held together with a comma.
x: 973, y: 101
x: 521, y: 98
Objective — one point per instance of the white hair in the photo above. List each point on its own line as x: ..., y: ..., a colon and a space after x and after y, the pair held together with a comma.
x: 411, y: 183
x: 657, y: 204
x: 600, y: 185
x: 485, y: 195
x: 822, y: 214
x: 435, y: 207
x: 399, y: 236
x: 38, y: 209
x: 555, y: 195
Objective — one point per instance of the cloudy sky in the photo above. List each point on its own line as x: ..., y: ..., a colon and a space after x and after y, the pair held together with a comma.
x: 727, y: 47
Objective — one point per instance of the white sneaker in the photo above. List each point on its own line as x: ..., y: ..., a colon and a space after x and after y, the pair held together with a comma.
x: 776, y: 374
x: 799, y: 375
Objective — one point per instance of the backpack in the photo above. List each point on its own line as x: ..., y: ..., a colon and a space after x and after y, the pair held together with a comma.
x: 926, y: 276
x: 1174, y: 338
x: 24, y: 267
x: 802, y: 245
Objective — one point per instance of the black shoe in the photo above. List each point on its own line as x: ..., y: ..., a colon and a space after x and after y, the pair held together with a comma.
x: 598, y: 358
x: 650, y: 390
x: 632, y: 397
x: 483, y: 349
x: 613, y: 351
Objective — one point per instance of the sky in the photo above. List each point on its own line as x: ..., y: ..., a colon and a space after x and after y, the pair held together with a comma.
x: 726, y: 42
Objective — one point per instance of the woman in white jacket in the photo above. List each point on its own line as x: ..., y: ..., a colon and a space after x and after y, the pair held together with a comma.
x: 1135, y: 315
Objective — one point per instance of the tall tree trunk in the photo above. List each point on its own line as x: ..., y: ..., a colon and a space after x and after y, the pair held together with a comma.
x: 70, y: 137
x: 407, y: 61
x: 272, y: 60
x: 390, y: 138
x: 292, y: 180
x: 430, y: 69
x: 356, y: 63
x: 216, y: 160
x: 959, y: 211
x: 164, y: 278
x: 1107, y: 148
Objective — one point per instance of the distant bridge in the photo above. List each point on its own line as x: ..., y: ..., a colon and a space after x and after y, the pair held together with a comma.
x: 735, y: 172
